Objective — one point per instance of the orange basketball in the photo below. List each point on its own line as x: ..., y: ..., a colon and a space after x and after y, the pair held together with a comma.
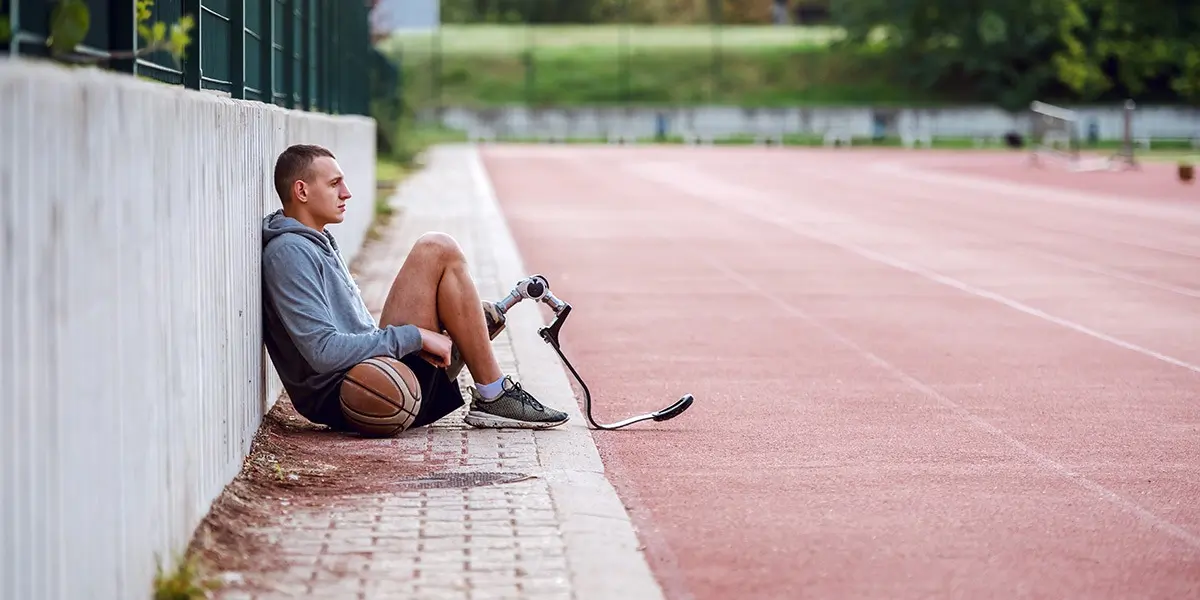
x: 380, y: 397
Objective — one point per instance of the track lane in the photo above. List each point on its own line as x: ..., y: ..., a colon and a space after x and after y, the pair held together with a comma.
x: 1159, y: 243
x: 1115, y: 220
x: 807, y: 467
x: 974, y: 248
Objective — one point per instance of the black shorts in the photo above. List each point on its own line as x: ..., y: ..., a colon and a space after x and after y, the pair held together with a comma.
x: 440, y: 395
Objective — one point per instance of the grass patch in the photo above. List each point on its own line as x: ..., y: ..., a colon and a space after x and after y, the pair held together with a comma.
x: 388, y: 174
x: 388, y: 171
x: 188, y: 581
x: 513, y: 39
x: 415, y: 139
x: 1169, y: 156
x: 479, y: 66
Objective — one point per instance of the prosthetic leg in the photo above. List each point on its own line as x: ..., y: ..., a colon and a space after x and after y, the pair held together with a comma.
x: 537, y: 288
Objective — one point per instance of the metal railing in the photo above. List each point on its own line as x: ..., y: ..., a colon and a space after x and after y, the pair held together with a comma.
x: 310, y: 55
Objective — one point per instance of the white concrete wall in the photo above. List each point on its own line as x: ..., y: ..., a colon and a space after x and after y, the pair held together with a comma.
x: 132, y: 375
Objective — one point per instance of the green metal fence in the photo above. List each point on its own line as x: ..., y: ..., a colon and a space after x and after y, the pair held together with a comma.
x: 305, y: 54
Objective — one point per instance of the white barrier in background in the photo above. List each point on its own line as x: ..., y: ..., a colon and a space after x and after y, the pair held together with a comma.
x: 831, y: 122
x: 132, y: 375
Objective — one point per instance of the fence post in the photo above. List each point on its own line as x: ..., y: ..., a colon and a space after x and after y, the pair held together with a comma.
x: 306, y: 57
x: 320, y: 48
x: 122, y: 34
x: 321, y: 58
x: 716, y: 13
x: 191, y: 62
x: 14, y: 23
x: 267, y: 43
x: 290, y: 48
x: 333, y: 77
x: 237, y: 49
x: 623, y: 53
x: 530, y: 57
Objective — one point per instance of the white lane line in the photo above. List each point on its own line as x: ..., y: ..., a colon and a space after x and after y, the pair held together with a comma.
x: 1148, y: 208
x: 1026, y: 245
x: 706, y: 188
x: 1047, y: 463
x: 1115, y: 274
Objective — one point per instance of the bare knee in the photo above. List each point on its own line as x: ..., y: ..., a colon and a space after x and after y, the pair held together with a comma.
x: 437, y: 247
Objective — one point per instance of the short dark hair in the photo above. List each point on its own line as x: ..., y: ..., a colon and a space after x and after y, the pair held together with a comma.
x: 296, y: 163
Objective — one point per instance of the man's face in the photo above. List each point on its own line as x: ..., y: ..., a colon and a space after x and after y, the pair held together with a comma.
x: 324, y: 192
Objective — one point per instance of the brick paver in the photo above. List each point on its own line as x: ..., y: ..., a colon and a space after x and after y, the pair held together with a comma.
x: 508, y: 540
x: 483, y: 542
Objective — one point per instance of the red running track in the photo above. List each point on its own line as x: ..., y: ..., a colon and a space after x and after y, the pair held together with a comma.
x: 916, y: 374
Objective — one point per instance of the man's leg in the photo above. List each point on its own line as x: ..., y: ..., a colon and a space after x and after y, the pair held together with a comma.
x: 434, y: 290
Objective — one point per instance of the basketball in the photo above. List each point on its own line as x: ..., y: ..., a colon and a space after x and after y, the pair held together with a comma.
x: 380, y: 397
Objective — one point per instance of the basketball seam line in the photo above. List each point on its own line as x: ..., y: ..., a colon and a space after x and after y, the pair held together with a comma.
x: 388, y: 371
x: 376, y: 394
x: 410, y: 415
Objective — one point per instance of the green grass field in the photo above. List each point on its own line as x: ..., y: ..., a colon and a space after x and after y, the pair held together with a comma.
x: 504, y: 39
x: 1170, y: 156
x: 576, y: 65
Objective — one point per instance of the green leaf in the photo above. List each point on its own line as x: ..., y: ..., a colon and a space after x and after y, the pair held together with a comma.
x: 143, y: 10
x: 992, y: 28
x: 5, y: 28
x: 69, y: 24
x: 179, y: 40
x: 187, y: 22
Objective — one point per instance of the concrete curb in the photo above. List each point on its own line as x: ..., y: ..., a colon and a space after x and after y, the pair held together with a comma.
x: 603, y: 551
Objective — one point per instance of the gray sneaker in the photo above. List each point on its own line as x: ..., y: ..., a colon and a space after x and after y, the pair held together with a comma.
x: 514, y: 407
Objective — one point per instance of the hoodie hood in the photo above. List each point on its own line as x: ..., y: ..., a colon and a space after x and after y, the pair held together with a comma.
x: 277, y: 224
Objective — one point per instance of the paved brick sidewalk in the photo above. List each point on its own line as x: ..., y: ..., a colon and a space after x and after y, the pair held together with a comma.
x: 550, y: 526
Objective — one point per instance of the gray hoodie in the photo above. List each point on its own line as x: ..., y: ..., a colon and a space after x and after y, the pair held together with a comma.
x: 315, y: 323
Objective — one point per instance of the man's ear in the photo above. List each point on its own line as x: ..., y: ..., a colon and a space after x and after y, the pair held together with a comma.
x: 300, y: 190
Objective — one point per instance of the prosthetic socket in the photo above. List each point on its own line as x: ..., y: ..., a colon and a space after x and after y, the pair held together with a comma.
x: 531, y: 288
x: 534, y: 287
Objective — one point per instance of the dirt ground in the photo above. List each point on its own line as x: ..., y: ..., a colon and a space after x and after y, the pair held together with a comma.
x: 292, y: 464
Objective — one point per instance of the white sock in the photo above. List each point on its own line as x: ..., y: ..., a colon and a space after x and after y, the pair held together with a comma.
x: 491, y: 390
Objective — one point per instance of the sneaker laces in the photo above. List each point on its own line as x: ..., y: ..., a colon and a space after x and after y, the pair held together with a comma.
x: 523, y: 396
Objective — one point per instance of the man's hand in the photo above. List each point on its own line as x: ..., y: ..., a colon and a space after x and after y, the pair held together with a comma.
x: 435, y: 348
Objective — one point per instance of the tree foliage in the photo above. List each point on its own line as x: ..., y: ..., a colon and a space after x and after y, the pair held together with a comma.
x: 1137, y: 48
x: 1016, y: 51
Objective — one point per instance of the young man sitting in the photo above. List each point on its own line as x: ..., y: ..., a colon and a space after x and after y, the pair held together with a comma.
x: 317, y: 326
